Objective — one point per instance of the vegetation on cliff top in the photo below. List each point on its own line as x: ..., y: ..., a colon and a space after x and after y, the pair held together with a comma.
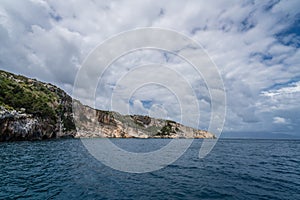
x: 33, y: 97
x: 19, y: 93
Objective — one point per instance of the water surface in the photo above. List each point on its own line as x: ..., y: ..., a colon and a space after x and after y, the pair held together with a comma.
x: 235, y: 169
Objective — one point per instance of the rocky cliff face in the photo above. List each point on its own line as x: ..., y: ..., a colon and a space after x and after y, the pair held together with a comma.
x: 32, y: 110
x: 16, y: 125
x: 97, y: 123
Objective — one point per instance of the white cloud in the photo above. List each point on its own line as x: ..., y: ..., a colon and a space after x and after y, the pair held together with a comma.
x: 289, y: 90
x: 279, y: 120
x: 282, y: 99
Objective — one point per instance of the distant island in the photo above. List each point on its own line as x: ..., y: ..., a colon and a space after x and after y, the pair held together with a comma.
x: 33, y: 110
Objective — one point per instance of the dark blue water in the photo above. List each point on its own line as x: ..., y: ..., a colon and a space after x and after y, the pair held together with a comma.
x: 235, y: 169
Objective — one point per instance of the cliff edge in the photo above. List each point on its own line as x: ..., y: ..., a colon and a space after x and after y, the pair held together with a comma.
x: 33, y: 110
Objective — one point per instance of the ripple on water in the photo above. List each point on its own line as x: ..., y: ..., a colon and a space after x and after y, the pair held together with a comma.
x: 235, y: 169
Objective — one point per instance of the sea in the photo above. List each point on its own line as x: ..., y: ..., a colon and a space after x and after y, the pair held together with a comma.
x: 234, y: 169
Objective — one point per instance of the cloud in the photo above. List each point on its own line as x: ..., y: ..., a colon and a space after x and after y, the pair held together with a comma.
x: 279, y: 120
x: 284, y: 98
x: 288, y: 90
x: 255, y: 45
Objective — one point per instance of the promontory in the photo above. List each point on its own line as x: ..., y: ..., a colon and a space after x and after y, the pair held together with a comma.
x: 33, y: 110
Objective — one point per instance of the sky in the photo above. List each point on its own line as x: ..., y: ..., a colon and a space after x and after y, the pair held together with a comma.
x: 254, y: 44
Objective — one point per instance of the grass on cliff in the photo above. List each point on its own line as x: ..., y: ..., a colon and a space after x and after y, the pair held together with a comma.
x: 18, y: 93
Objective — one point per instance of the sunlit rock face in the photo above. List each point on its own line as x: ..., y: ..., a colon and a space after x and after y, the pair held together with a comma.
x: 97, y: 123
x: 33, y: 110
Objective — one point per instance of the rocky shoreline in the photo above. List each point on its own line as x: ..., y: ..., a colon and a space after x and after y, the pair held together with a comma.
x: 33, y: 110
x: 18, y: 126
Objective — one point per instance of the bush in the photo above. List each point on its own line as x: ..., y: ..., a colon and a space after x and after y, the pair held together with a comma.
x: 17, y: 96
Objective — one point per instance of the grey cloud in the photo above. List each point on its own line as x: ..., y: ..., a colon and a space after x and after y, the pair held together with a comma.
x: 50, y: 39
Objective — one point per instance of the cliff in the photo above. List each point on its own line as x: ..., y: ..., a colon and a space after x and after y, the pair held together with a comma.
x: 33, y: 110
